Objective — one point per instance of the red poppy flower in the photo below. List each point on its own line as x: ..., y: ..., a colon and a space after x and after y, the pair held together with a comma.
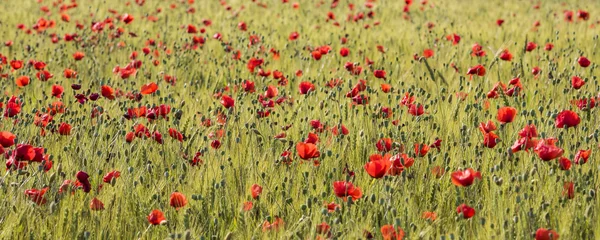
x: 96, y: 205
x: 506, y: 55
x: 416, y: 109
x: 108, y: 92
x: 506, y: 114
x: 256, y: 190
x: 583, y: 15
x: 307, y: 150
x: 384, y: 145
x: 156, y: 217
x: 499, y: 22
x: 378, y: 165
x: 344, y: 52
x: 536, y: 71
x: 566, y: 119
x: 386, y: 88
x: 316, y: 55
x: 478, y: 70
x: 64, y: 129
x: 569, y: 190
x: 388, y: 232
x: 546, y: 234
x: 57, y: 91
x: 293, y: 36
x: 22, y: 81
x: 306, y: 87
x: 39, y: 65
x: 427, y: 53
x: 275, y: 225
x: 108, y: 178
x: 465, y: 177
x: 549, y: 47
x: 149, y: 88
x: 421, y: 149
x: 37, y: 196
x: 7, y: 139
x: 126, y: 18
x: 467, y: 212
x: 455, y: 38
x: 177, y: 200
x: 16, y: 64
x: 490, y: 140
x: 78, y: 56
x: 564, y: 163
x: 584, y: 62
x: 487, y: 127
x: 344, y: 189
x: 547, y: 150
x: 530, y: 46
x: 529, y: 131
x: 582, y: 156
x: 227, y: 101
x: 44, y: 75
x: 271, y: 92
x: 379, y: 74
x: 577, y: 82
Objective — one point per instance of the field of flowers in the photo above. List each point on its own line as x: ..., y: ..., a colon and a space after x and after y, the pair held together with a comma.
x: 299, y: 119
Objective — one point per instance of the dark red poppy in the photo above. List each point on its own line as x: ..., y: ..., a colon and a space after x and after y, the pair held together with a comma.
x: 466, y: 211
x: 379, y: 74
x: 83, y: 178
x: 465, y: 177
x: 577, y: 82
x: 582, y: 15
x: 566, y: 119
x: 584, y: 62
x: 416, y: 109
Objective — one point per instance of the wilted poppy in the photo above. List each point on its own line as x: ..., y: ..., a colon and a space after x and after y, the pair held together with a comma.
x: 96, y: 205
